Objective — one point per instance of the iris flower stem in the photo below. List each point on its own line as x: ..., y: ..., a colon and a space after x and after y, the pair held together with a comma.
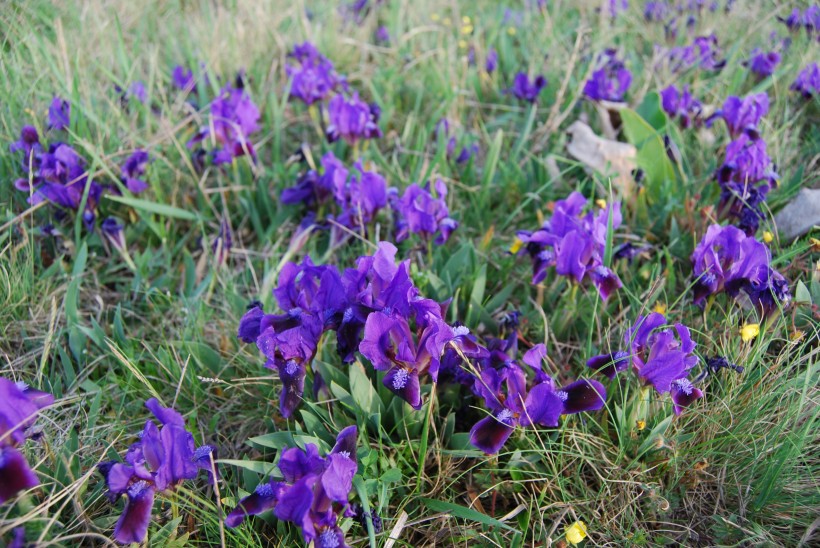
x: 425, y: 431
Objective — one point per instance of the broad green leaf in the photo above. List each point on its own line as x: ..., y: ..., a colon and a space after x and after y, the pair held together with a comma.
x: 162, y: 210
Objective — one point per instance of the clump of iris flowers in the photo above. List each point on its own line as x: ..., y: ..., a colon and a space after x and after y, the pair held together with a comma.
x: 527, y: 89
x: 747, y: 173
x: 313, y: 77
x: 163, y: 458
x: 807, y: 82
x: 703, y: 53
x: 662, y: 357
x: 727, y: 260
x: 313, y: 492
x: 682, y: 105
x: 133, y: 171
x: 574, y: 243
x: 358, y: 193
x: 233, y: 118
x: 762, y: 63
x: 19, y: 406
x: 352, y: 120
x: 421, y: 212
x: 610, y: 81
x: 57, y: 174
x: 374, y: 308
x: 514, y: 399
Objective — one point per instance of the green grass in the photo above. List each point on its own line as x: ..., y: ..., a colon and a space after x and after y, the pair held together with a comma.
x: 739, y: 467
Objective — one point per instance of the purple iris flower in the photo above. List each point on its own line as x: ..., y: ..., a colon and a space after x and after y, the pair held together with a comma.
x: 703, y: 53
x: 314, y: 78
x: 809, y: 20
x: 492, y: 61
x: 681, y: 105
x: 512, y: 403
x: 656, y: 11
x: 59, y: 177
x: 617, y: 6
x: 164, y: 457
x: 359, y: 193
x: 746, y: 177
x: 135, y: 90
x: 726, y: 259
x: 743, y: 115
x: 314, y: 493
x: 233, y: 118
x: 382, y: 36
x: 763, y: 63
x: 808, y: 81
x: 29, y: 143
x: 19, y: 405
x: 663, y: 358
x: 58, y: 114
x: 419, y: 212
x: 183, y: 79
x: 525, y: 89
x: 133, y: 170
x: 352, y: 119
x: 113, y: 231
x: 610, y: 81
x: 574, y: 244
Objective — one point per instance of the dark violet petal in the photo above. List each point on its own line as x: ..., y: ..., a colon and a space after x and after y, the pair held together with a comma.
x: 404, y: 384
x: 684, y: 394
x: 261, y: 500
x: 346, y: 442
x: 535, y: 355
x: 151, y: 446
x: 609, y: 364
x: 133, y: 524
x: 489, y: 435
x: 249, y: 325
x: 178, y: 464
x: 15, y: 474
x: 584, y: 395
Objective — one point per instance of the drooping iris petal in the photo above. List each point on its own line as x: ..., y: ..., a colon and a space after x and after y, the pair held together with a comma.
x: 584, y: 395
x: 490, y: 434
x: 15, y: 474
x: 133, y: 523
x: 405, y: 384
x: 609, y: 364
x: 294, y: 502
x: 261, y: 500
x: 684, y: 394
x: 346, y: 442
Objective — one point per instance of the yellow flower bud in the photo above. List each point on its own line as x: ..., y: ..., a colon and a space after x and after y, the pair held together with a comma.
x: 640, y: 424
x: 435, y: 16
x: 749, y: 331
x: 768, y: 237
x: 576, y: 532
x: 466, y: 20
x: 600, y: 202
x: 511, y: 31
x: 660, y: 308
x: 447, y: 22
x: 516, y: 246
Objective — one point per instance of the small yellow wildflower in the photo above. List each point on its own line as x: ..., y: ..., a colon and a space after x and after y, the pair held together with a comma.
x: 600, y: 202
x: 796, y: 335
x: 466, y: 19
x: 660, y: 308
x: 749, y: 331
x: 516, y: 246
x: 467, y: 29
x: 815, y: 245
x: 435, y: 16
x: 768, y: 237
x: 640, y: 424
x: 576, y: 532
x: 462, y: 44
x: 511, y: 31
x: 447, y: 22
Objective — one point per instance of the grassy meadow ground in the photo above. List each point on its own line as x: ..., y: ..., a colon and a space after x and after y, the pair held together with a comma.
x: 739, y: 467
